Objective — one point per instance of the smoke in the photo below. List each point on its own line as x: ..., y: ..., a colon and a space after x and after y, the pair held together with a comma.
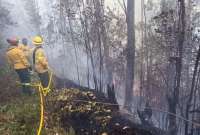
x: 22, y: 27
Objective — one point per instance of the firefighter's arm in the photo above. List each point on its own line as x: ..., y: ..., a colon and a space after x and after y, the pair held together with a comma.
x: 42, y: 59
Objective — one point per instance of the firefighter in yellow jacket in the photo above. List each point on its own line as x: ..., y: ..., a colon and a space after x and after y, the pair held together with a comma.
x: 40, y: 61
x: 25, y: 48
x: 19, y: 62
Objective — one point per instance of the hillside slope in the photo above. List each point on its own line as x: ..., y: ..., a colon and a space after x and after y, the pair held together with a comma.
x: 68, y: 112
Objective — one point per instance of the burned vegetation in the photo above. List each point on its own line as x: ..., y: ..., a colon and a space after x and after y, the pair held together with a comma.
x: 90, y: 113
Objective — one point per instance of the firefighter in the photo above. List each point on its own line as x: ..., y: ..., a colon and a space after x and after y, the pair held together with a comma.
x: 25, y: 48
x: 40, y: 62
x: 18, y: 61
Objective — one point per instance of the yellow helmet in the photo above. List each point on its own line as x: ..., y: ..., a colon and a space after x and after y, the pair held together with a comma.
x: 38, y: 40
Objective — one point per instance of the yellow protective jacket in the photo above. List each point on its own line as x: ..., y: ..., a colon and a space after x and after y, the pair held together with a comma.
x: 40, y: 60
x: 25, y: 49
x: 17, y: 58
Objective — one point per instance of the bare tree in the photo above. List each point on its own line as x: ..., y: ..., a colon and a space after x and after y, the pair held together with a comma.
x: 192, y: 91
x: 173, y: 99
x: 130, y: 53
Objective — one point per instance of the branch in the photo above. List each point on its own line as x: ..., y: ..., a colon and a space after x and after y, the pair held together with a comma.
x: 195, y: 111
x: 123, y: 6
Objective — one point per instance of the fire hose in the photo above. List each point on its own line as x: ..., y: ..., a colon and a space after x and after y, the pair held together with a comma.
x: 42, y: 93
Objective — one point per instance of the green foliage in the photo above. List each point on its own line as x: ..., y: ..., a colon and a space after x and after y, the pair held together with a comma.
x: 5, y: 70
x: 20, y: 117
x: 71, y: 131
x: 8, y: 90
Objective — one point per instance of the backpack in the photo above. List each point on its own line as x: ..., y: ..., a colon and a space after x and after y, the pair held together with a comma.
x: 34, y: 54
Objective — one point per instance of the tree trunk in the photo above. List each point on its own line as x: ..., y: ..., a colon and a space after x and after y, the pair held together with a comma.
x: 142, y: 52
x: 174, y: 100
x: 192, y: 90
x: 130, y: 54
x: 75, y: 49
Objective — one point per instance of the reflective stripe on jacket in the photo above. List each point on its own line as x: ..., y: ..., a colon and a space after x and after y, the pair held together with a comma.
x: 17, y: 58
x: 41, y: 64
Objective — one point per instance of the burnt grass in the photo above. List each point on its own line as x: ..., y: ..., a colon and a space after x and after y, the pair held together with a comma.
x: 88, y: 116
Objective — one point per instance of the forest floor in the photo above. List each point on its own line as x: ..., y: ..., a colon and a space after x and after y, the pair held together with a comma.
x: 19, y: 116
x: 67, y: 112
x: 66, y: 115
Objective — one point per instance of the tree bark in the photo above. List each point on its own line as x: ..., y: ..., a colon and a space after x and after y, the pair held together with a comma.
x: 188, y: 106
x: 174, y: 100
x: 130, y: 54
x: 142, y: 51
